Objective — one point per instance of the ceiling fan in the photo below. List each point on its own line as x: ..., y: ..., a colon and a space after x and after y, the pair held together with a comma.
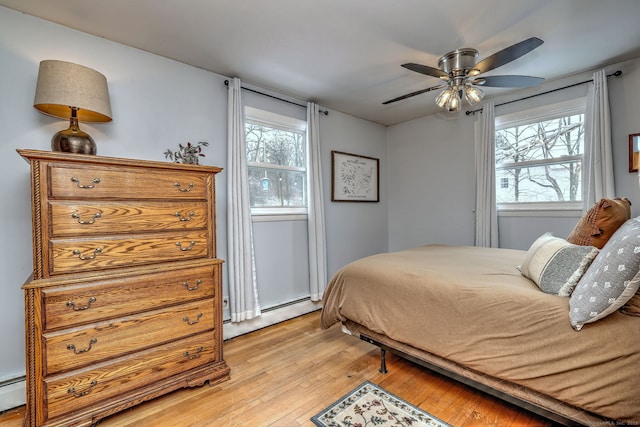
x: 460, y: 71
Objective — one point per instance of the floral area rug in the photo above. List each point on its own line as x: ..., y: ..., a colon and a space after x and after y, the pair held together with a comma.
x: 370, y: 405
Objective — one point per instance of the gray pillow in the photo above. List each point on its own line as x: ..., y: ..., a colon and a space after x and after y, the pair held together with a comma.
x: 556, y: 265
x: 612, y: 279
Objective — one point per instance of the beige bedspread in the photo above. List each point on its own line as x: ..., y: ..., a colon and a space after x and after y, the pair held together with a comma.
x: 471, y: 305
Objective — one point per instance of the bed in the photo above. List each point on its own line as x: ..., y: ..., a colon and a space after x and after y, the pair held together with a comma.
x: 470, y: 313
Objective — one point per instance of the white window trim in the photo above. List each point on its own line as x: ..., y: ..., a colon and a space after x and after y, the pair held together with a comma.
x: 279, y: 210
x: 553, y: 161
x: 549, y: 112
x: 274, y: 120
x: 276, y: 167
x: 539, y: 114
x: 541, y: 209
x: 270, y: 217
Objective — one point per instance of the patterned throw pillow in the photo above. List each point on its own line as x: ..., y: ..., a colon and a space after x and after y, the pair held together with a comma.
x: 556, y: 265
x: 612, y: 279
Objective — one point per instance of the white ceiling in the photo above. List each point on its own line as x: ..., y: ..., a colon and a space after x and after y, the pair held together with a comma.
x: 346, y: 54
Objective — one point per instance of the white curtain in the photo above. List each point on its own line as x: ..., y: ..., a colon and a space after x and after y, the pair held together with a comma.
x: 598, y: 174
x: 486, y: 214
x: 598, y: 165
x: 243, y: 290
x: 317, y: 245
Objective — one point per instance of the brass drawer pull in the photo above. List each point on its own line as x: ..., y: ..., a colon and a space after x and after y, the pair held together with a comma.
x: 96, y: 251
x: 75, y: 215
x: 73, y: 391
x: 94, y: 181
x: 183, y: 190
x: 185, y: 218
x: 193, y: 356
x: 192, y: 288
x: 73, y: 347
x: 189, y: 322
x: 188, y: 248
x: 82, y: 307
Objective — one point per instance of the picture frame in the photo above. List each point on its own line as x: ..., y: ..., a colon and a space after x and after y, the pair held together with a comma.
x: 634, y: 152
x: 354, y: 178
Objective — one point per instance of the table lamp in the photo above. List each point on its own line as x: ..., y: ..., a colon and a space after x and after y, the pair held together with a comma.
x: 74, y: 92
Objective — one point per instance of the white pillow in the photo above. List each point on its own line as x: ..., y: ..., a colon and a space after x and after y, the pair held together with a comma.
x: 556, y: 265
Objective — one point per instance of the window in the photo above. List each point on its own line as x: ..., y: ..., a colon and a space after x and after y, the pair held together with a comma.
x: 539, y: 157
x: 277, y: 163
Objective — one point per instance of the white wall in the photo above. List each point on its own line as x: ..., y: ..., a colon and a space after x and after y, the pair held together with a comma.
x: 432, y: 178
x: 431, y: 182
x: 157, y: 103
x: 354, y: 230
x: 624, y: 95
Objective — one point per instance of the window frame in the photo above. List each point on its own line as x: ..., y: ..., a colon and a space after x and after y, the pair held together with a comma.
x: 287, y: 123
x: 534, y: 115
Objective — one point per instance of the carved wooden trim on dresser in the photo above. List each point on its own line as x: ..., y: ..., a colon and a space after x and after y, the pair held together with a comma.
x: 124, y: 304
x: 30, y: 323
x: 37, y: 221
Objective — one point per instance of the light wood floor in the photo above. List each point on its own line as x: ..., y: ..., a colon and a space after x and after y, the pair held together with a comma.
x: 283, y: 375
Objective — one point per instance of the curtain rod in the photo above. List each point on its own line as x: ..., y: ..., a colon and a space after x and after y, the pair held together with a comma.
x: 616, y: 74
x: 325, y: 112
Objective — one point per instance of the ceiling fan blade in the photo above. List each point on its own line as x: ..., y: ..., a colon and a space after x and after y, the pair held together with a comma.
x: 424, y: 69
x: 409, y: 95
x: 507, y: 55
x: 508, y: 81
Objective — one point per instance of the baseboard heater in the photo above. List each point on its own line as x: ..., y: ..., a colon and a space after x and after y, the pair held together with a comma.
x: 271, y: 316
x: 556, y: 418
x: 12, y: 393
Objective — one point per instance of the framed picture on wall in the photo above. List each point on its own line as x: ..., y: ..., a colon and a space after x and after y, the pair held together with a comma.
x: 634, y: 152
x: 354, y: 178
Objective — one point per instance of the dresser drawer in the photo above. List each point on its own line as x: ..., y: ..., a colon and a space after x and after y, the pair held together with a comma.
x: 72, y: 348
x: 79, y: 255
x: 79, y: 182
x: 102, y: 217
x: 75, y: 305
x: 80, y: 389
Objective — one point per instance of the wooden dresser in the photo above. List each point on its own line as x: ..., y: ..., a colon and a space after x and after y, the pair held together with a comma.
x: 125, y: 300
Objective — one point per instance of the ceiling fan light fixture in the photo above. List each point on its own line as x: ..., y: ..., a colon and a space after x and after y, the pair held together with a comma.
x: 473, y: 94
x: 454, y: 101
x: 443, y: 99
x: 460, y: 69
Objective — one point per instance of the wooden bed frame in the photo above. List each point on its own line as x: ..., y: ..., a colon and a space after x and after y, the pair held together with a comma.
x: 557, y: 411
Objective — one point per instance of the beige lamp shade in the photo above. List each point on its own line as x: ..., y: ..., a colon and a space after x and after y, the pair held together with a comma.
x: 62, y: 85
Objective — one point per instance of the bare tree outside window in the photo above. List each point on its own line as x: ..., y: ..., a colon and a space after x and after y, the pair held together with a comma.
x: 541, y: 161
x: 277, y: 166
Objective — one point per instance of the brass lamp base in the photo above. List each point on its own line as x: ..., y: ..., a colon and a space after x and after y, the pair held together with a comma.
x: 73, y: 140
